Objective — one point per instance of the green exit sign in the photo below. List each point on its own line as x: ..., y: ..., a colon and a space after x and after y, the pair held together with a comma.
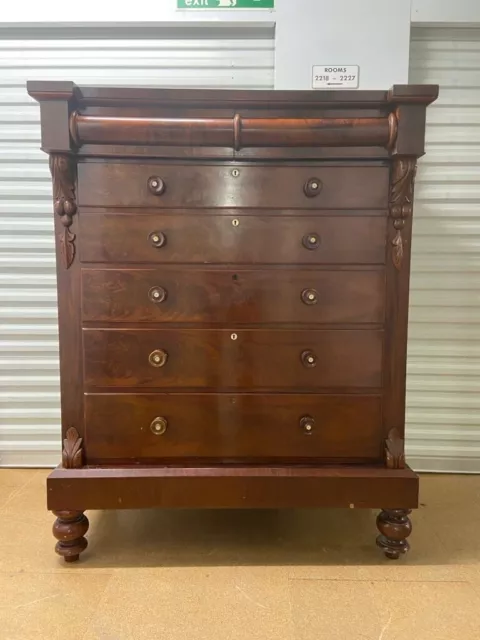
x: 225, y: 4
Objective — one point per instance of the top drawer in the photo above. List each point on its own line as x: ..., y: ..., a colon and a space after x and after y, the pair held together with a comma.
x: 171, y: 185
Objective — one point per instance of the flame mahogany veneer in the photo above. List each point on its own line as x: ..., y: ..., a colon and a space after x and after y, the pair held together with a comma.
x: 233, y: 271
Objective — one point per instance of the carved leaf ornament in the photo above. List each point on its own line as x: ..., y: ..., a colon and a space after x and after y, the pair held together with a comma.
x: 401, y: 202
x: 72, y: 453
x: 63, y: 174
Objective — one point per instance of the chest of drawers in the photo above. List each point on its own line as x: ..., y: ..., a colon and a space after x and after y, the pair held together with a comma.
x: 233, y: 274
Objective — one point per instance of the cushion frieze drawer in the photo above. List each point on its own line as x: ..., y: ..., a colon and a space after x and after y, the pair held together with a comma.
x: 233, y: 296
x: 232, y: 359
x: 235, y: 239
x: 170, y: 185
x: 156, y: 426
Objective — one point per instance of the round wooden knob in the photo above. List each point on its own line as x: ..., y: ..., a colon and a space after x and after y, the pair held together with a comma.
x: 307, y: 423
x: 157, y: 294
x: 156, y: 185
x: 158, y: 358
x: 157, y: 239
x: 312, y: 187
x: 311, y: 241
x: 309, y: 359
x: 309, y: 296
x: 158, y: 426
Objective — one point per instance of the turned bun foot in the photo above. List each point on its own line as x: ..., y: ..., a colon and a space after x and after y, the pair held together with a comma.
x: 69, y: 529
x: 395, y: 527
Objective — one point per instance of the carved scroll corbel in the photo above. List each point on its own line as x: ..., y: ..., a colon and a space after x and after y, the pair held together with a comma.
x: 394, y: 450
x: 401, y: 202
x: 72, y: 454
x: 62, y: 168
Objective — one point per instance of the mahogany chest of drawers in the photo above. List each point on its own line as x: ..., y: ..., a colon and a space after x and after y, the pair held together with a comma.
x: 233, y: 272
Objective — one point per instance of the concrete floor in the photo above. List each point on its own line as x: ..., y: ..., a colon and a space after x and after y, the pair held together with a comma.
x: 251, y: 575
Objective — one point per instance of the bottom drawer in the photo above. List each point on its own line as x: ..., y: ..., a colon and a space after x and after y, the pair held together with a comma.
x: 155, y: 427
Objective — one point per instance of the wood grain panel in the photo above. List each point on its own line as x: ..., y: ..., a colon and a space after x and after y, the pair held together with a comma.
x: 232, y: 426
x: 215, y: 359
x: 224, y: 185
x: 172, y: 294
x: 232, y: 486
x: 235, y: 239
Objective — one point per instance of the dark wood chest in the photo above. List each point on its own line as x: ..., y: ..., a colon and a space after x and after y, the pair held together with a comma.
x: 233, y: 272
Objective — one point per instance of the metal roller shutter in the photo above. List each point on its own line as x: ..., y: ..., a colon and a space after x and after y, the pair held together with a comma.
x: 443, y: 397
x: 221, y: 56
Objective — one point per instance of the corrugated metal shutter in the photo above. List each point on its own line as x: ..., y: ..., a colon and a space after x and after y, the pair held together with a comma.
x: 443, y: 401
x: 224, y: 56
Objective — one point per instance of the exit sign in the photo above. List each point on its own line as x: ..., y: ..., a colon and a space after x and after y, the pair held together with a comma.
x: 225, y: 4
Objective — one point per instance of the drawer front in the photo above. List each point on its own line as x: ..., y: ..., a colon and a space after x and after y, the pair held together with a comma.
x: 156, y: 426
x: 244, y: 358
x: 239, y: 239
x: 240, y: 296
x: 157, y: 185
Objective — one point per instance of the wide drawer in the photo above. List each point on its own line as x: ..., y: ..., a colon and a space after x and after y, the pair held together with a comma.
x: 155, y: 426
x: 232, y: 296
x: 244, y: 358
x: 173, y: 185
x: 234, y: 239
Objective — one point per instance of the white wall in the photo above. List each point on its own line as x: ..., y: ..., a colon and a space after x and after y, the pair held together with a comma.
x: 434, y: 11
x: 374, y: 34
x: 440, y: 12
x: 113, y: 11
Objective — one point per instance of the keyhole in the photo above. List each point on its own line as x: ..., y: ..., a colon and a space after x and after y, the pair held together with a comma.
x: 235, y: 277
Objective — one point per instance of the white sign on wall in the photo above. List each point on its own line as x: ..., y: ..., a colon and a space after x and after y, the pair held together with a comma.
x: 335, y: 76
